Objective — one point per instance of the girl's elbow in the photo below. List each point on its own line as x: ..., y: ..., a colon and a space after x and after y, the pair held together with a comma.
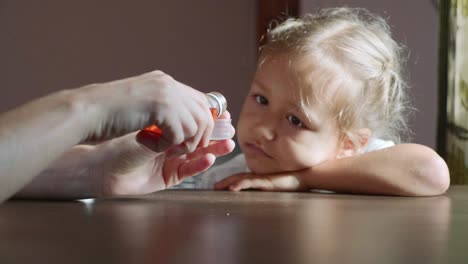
x: 440, y: 176
x: 434, y: 173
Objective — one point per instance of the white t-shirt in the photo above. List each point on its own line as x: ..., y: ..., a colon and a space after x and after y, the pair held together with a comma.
x: 237, y: 165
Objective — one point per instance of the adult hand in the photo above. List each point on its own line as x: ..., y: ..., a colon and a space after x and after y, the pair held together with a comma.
x: 138, y: 170
x: 43, y: 130
x: 154, y: 98
x: 130, y: 165
x: 122, y: 166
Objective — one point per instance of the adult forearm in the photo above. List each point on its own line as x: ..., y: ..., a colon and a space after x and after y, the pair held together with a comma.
x: 72, y: 176
x: 406, y: 169
x: 33, y: 135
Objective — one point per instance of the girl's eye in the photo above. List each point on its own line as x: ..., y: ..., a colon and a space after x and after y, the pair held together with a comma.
x: 295, y: 121
x: 261, y: 99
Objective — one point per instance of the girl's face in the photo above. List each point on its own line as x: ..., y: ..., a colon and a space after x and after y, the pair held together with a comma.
x: 274, y: 132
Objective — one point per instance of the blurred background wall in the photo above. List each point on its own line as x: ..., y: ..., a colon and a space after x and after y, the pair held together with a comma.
x: 54, y: 44
x: 208, y: 44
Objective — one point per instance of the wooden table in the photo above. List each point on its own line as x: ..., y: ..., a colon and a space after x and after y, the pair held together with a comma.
x: 180, y: 226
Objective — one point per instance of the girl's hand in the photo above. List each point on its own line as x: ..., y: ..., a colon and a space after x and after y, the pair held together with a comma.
x: 265, y: 182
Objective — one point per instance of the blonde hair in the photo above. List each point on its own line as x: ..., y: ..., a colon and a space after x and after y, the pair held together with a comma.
x: 352, y: 51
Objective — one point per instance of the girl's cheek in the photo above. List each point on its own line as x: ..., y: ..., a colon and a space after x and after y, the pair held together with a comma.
x: 252, y: 105
x: 303, y: 155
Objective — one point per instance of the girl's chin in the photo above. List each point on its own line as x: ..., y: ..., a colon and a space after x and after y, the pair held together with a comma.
x: 264, y: 167
x: 259, y: 168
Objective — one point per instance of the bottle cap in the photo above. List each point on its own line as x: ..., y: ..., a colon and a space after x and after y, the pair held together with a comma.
x: 217, y: 101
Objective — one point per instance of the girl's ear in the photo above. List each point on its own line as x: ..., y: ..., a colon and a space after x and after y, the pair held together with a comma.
x: 350, y: 148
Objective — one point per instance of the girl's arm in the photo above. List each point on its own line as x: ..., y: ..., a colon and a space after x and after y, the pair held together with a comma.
x: 405, y: 169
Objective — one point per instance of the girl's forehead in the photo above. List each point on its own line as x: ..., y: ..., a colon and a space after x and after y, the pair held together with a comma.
x: 308, y: 79
x: 281, y: 71
x: 315, y: 87
x: 301, y: 66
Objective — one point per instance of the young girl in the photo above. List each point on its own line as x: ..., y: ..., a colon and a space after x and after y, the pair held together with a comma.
x: 325, y: 109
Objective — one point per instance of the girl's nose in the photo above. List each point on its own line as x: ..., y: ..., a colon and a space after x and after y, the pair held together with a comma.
x: 266, y: 133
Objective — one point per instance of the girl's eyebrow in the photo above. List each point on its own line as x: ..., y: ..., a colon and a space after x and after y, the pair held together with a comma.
x: 261, y: 85
x: 310, y: 117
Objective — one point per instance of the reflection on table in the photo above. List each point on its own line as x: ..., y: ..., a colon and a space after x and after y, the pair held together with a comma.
x: 180, y: 226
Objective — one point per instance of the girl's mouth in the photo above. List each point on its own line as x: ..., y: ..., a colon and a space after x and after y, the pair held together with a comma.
x: 258, y: 150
